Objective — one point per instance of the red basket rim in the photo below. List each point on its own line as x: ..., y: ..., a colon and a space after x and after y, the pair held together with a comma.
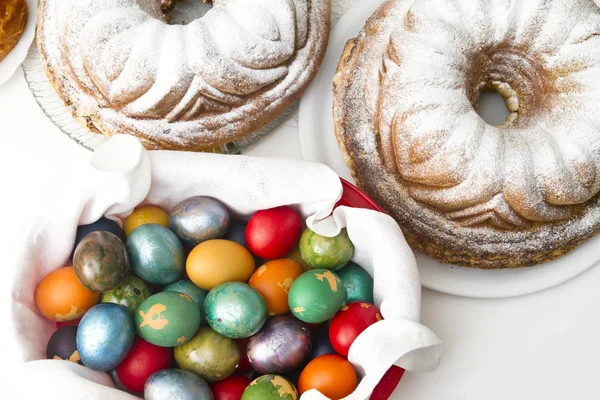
x: 354, y: 197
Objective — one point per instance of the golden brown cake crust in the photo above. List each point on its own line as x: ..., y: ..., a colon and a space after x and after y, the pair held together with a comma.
x: 219, y: 112
x: 13, y: 16
x: 378, y: 166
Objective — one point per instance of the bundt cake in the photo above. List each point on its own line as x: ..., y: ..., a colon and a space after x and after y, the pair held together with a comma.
x: 121, y: 68
x: 13, y: 16
x: 406, y: 94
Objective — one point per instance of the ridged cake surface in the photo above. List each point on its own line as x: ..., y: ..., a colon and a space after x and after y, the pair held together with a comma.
x: 121, y: 68
x: 406, y: 97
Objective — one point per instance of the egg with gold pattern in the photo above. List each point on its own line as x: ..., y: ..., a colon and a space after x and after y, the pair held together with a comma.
x: 63, y: 345
x: 167, y: 319
x: 316, y: 295
x: 271, y: 387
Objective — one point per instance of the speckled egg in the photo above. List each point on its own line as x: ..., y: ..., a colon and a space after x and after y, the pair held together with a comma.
x: 130, y: 293
x: 156, y: 254
x: 316, y: 295
x: 61, y: 297
x: 105, y: 336
x: 271, y: 387
x: 145, y: 215
x: 209, y: 354
x: 63, y: 345
x: 167, y: 319
x: 217, y: 261
x: 176, y: 384
x: 281, y: 346
x: 358, y: 284
x: 326, y: 252
x: 186, y: 286
x: 198, y: 219
x: 101, y: 261
x: 235, y: 310
x: 103, y: 224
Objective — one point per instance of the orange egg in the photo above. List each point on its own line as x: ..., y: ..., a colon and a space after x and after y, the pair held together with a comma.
x: 61, y: 297
x: 273, y: 281
x: 296, y: 256
x: 217, y: 261
x: 330, y: 374
x: 145, y: 215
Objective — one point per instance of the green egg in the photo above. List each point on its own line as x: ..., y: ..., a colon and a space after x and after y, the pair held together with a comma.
x: 235, y: 310
x: 186, y: 286
x: 357, y: 283
x: 130, y: 293
x: 270, y: 387
x: 326, y: 252
x: 316, y: 295
x: 167, y: 319
x: 209, y: 354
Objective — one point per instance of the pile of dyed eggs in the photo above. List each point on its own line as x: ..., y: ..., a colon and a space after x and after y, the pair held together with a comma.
x: 172, y: 306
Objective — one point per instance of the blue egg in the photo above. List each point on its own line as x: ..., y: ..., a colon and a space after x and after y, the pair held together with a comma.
x: 103, y: 224
x: 186, y: 286
x: 105, y: 336
x: 198, y: 219
x: 156, y: 254
x: 237, y: 232
x: 320, y: 343
x: 176, y: 384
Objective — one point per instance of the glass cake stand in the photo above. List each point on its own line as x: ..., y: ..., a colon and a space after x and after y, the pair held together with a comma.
x: 53, y: 106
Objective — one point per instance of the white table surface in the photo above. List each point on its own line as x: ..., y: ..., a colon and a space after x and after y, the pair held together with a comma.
x: 541, y: 346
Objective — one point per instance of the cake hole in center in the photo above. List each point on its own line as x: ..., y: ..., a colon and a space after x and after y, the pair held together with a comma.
x: 185, y: 12
x: 492, y: 108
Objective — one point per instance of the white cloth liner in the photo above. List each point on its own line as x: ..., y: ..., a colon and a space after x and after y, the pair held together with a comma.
x: 121, y: 175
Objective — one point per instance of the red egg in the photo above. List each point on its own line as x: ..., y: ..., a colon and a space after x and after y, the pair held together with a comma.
x: 244, y: 364
x: 143, y: 360
x: 349, y: 322
x: 231, y: 388
x: 60, y: 324
x: 273, y: 233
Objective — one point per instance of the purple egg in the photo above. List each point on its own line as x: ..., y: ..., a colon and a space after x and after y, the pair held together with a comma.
x: 280, y: 347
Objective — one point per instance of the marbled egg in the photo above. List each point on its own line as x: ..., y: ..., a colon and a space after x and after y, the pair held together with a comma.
x: 103, y: 224
x: 167, y: 319
x: 281, y: 346
x: 235, y: 310
x: 198, y: 219
x: 271, y: 387
x: 186, y: 286
x: 358, y: 284
x: 212, y: 356
x: 101, y: 261
x: 316, y: 295
x: 130, y: 293
x: 63, y: 345
x: 176, y: 384
x: 105, y: 336
x: 156, y: 254
x: 326, y: 252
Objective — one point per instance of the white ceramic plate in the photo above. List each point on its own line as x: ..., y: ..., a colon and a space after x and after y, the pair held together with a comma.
x: 11, y: 62
x: 318, y: 143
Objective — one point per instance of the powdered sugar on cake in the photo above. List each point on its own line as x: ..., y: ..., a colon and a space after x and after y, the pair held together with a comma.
x: 125, y: 69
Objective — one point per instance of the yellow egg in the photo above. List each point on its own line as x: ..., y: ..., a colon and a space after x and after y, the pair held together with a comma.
x: 145, y: 215
x: 218, y: 261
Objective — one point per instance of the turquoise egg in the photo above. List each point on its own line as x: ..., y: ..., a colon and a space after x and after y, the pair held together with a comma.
x: 186, y: 286
x: 156, y: 254
x: 357, y: 283
x: 105, y: 336
x: 235, y: 310
x: 176, y: 384
x: 198, y: 219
